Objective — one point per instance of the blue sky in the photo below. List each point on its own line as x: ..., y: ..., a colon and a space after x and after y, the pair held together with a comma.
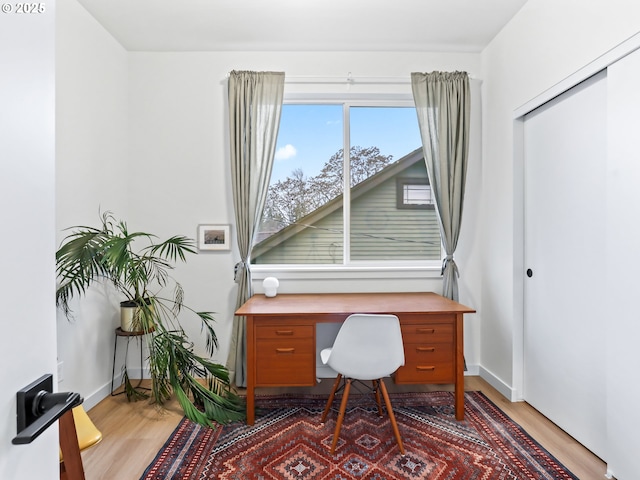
x: 310, y: 134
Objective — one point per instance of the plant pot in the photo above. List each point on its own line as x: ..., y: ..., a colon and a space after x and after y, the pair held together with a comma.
x: 130, y: 313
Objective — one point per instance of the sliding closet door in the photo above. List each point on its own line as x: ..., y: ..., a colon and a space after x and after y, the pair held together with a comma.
x: 623, y: 265
x: 564, y: 330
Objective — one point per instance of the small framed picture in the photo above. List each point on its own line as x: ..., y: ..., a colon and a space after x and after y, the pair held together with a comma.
x: 214, y: 237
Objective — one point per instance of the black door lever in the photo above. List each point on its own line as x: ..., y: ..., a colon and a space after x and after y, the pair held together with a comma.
x: 38, y: 407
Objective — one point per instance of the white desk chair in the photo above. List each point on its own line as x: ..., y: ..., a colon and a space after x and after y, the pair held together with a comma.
x: 367, y: 347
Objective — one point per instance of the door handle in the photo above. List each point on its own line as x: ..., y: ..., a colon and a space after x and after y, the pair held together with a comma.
x: 39, y: 407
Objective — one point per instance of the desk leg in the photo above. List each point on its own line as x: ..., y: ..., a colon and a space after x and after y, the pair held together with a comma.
x: 459, y: 394
x: 251, y: 409
x: 251, y: 371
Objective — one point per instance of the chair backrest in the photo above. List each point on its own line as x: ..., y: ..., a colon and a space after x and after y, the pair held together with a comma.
x: 368, y: 347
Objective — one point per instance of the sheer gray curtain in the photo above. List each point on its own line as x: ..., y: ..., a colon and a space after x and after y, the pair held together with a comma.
x: 442, y: 102
x: 255, y: 104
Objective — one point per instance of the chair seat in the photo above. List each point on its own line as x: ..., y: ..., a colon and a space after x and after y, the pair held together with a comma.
x: 88, y: 434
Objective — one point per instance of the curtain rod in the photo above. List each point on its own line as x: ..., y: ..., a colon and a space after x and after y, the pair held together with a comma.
x: 350, y: 79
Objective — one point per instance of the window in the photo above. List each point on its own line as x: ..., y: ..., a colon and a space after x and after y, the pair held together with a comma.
x: 333, y: 195
x: 414, y: 193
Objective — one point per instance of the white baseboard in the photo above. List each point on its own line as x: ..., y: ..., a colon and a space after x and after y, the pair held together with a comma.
x: 472, y: 370
x: 104, y: 391
x: 100, y: 394
x: 498, y: 384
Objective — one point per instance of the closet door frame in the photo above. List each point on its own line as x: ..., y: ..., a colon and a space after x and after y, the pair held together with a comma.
x: 519, y: 269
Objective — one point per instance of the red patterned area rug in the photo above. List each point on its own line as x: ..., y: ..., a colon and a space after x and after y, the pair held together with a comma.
x: 288, y: 442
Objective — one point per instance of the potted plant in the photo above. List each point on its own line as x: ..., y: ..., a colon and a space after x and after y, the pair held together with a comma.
x: 139, y: 268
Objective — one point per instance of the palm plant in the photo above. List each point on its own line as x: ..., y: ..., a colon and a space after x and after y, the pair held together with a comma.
x: 142, y: 275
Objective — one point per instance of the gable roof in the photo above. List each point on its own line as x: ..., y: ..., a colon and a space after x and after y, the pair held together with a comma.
x: 328, y: 208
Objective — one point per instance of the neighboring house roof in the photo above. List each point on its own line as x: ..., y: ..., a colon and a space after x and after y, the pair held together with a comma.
x: 328, y: 208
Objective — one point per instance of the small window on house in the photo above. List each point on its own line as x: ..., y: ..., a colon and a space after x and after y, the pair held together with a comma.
x: 414, y: 193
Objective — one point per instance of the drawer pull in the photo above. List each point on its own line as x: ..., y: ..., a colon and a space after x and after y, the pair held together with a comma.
x: 426, y: 330
x: 422, y: 368
x: 284, y: 332
x: 426, y: 349
x: 285, y: 350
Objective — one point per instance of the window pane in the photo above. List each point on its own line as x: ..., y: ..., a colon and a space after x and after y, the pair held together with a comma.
x: 385, y: 145
x: 417, y: 194
x: 302, y: 221
x: 391, y: 210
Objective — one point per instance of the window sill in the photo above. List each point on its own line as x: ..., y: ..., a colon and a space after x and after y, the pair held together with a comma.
x: 341, y: 272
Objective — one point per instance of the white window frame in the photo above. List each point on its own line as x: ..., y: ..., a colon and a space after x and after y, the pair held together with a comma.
x: 350, y: 269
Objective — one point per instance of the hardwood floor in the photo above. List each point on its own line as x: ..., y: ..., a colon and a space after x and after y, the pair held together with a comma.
x: 133, y: 433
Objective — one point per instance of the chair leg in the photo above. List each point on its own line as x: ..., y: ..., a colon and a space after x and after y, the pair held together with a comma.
x: 376, y: 392
x: 331, y: 396
x: 343, y: 407
x: 392, y: 417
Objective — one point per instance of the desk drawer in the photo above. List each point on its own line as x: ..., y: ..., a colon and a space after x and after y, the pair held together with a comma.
x: 429, y: 349
x: 425, y: 333
x: 436, y: 353
x: 283, y: 331
x: 426, y: 372
x: 288, y: 361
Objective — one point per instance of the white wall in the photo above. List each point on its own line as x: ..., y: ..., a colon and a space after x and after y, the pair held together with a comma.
x: 179, y: 140
x: 546, y: 42
x: 145, y: 135
x: 576, y: 38
x: 27, y: 166
x: 92, y: 167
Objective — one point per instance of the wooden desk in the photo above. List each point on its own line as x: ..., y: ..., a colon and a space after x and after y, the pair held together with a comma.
x: 281, y: 337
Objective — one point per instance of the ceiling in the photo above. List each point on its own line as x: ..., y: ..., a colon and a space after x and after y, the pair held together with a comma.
x: 303, y: 25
